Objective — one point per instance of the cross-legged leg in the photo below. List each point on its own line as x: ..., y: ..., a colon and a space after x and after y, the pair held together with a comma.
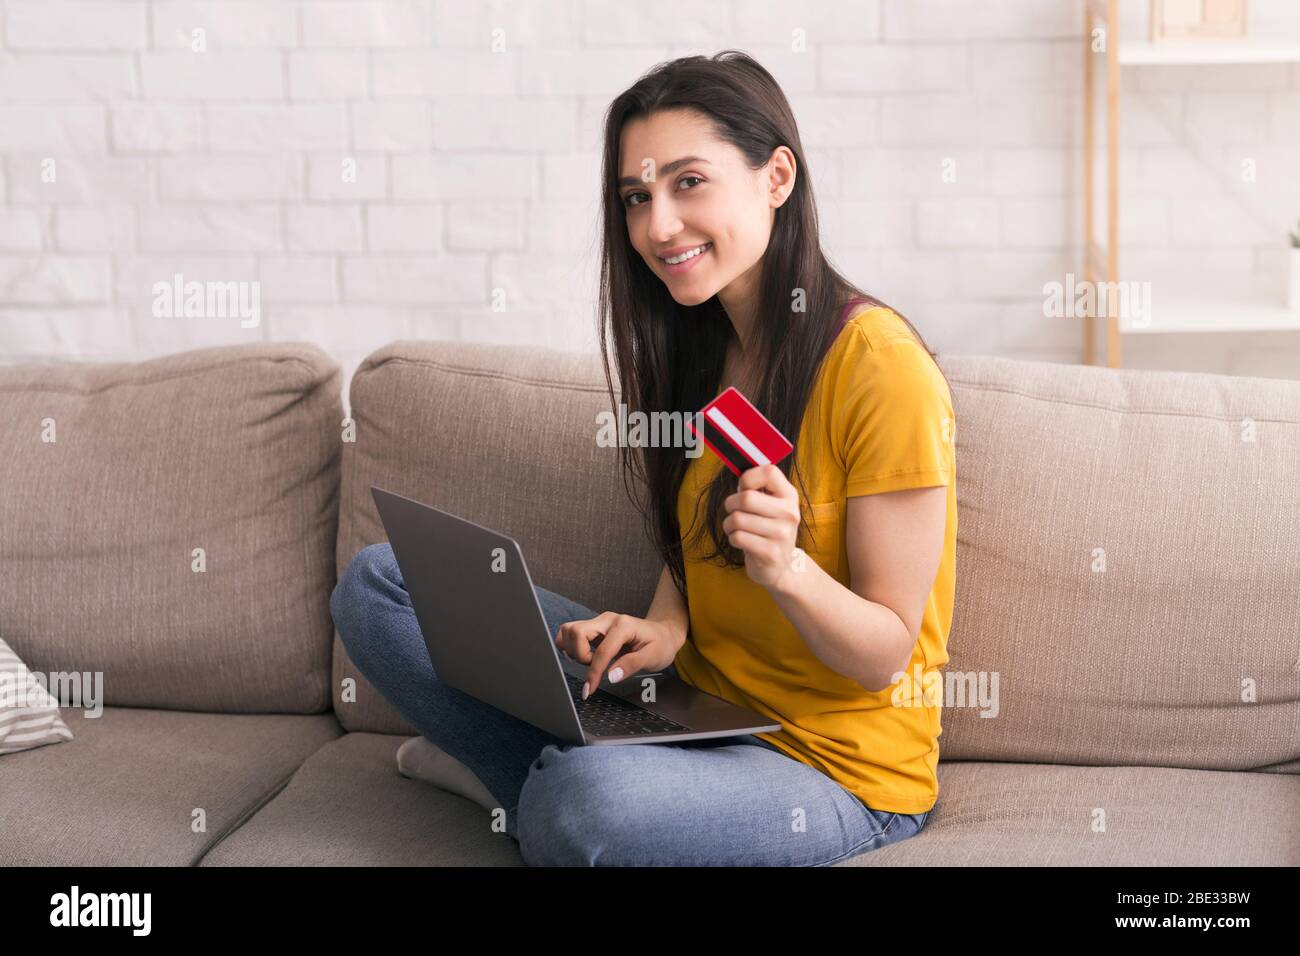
x: 678, y: 805
x: 377, y: 624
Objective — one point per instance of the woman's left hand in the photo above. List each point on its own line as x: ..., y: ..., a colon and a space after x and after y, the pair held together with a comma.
x: 763, y: 521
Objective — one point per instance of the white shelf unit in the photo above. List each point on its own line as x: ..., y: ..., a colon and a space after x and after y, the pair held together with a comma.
x: 1195, y: 52
x: 1214, y: 313
x: 1181, y: 314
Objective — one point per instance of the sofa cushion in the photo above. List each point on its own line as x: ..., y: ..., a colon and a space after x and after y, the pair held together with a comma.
x: 348, y: 806
x: 506, y: 437
x: 1005, y: 814
x: 1128, y: 560
x: 232, y: 450
x: 124, y: 790
x: 1128, y: 552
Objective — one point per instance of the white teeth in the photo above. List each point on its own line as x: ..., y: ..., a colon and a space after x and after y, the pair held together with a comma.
x: 689, y: 254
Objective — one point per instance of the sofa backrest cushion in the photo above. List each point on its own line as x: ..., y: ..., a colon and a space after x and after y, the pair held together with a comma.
x: 504, y: 436
x: 1128, y: 566
x: 1128, y: 550
x: 171, y: 524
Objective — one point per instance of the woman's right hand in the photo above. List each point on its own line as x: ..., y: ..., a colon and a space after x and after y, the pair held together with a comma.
x: 644, y: 645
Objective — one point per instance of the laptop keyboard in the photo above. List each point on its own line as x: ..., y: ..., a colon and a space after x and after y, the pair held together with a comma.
x: 606, y: 715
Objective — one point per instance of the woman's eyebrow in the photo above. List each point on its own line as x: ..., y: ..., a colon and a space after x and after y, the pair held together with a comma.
x: 666, y: 169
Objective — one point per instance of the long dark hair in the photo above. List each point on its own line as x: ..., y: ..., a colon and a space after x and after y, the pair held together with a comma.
x: 670, y: 357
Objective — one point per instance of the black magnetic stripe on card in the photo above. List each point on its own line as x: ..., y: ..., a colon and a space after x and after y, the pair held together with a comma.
x: 724, y: 444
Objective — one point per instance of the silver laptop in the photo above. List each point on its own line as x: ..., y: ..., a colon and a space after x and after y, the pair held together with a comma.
x: 487, y: 636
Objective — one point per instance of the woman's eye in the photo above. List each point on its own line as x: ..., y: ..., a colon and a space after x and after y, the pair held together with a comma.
x: 627, y: 201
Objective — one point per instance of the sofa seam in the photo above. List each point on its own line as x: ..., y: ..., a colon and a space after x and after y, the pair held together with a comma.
x: 983, y: 387
x: 248, y: 814
x: 350, y: 414
x: 46, y: 387
x: 336, y: 639
x: 968, y: 383
x: 480, y: 373
x: 306, y: 551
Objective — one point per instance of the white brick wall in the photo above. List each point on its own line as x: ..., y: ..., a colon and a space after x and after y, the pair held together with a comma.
x: 381, y: 171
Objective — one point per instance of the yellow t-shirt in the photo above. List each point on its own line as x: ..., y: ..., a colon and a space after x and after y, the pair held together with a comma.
x: 885, y: 422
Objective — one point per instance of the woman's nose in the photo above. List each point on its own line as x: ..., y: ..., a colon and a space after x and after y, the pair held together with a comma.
x: 664, y: 224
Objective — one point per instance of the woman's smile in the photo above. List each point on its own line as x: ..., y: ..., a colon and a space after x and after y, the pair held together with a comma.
x: 685, y: 265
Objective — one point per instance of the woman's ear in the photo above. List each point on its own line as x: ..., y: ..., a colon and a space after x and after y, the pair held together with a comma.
x: 781, y: 172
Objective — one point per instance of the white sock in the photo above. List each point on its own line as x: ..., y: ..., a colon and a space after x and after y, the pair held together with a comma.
x: 421, y: 759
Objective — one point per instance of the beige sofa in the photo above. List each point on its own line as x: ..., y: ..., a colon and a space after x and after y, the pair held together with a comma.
x: 1128, y: 572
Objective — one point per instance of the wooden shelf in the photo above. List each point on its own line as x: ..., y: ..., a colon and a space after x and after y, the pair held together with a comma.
x: 1214, y: 313
x: 1209, y: 51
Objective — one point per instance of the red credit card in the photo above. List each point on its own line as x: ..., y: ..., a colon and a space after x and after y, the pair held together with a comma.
x: 739, y: 433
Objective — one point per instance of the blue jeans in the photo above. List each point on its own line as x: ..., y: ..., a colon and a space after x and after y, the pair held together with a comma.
x: 729, y: 801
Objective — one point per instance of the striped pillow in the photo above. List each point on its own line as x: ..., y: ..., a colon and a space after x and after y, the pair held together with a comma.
x: 29, y: 716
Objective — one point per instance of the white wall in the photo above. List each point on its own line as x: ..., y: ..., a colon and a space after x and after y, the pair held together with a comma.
x: 476, y: 170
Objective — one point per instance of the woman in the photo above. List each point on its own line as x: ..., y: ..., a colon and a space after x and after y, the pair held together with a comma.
x: 824, y: 608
